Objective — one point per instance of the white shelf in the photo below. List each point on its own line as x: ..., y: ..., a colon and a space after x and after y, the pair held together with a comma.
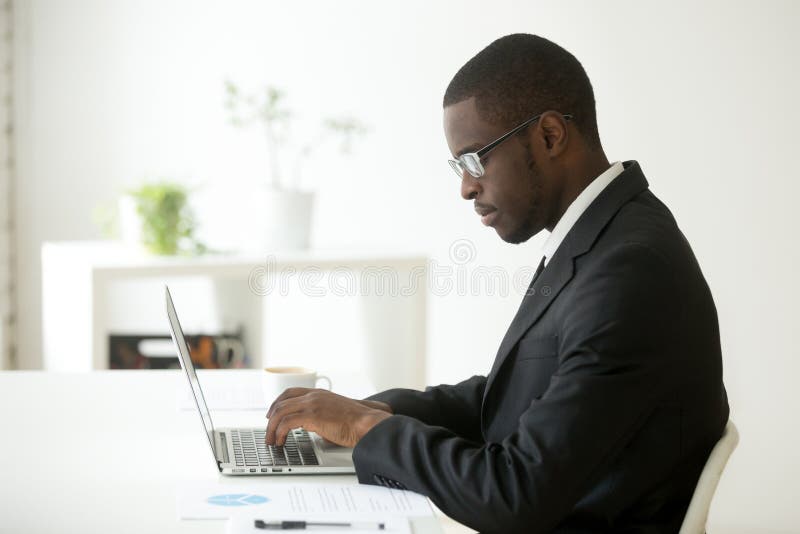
x: 117, y: 257
x: 79, y: 311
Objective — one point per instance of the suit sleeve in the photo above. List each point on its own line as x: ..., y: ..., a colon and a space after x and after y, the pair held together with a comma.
x: 613, y: 359
x: 456, y: 407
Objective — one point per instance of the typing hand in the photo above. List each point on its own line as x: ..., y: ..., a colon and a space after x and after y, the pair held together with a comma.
x: 336, y: 418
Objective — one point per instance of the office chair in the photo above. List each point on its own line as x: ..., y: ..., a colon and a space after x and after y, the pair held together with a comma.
x: 694, y: 522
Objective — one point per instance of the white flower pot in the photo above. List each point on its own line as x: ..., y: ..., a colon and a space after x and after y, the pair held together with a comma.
x: 254, y: 220
x: 130, y: 224
x: 281, y: 221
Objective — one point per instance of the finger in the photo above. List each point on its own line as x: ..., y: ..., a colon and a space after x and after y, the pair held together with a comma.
x: 289, y: 422
x: 284, y: 409
x: 289, y: 393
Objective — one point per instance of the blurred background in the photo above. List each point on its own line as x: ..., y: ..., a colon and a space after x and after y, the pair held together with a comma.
x: 144, y: 142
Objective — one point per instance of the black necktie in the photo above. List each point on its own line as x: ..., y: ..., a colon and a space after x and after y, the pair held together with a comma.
x: 539, y: 270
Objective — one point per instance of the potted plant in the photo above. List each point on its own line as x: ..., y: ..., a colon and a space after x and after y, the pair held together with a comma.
x: 157, y: 216
x: 285, y: 207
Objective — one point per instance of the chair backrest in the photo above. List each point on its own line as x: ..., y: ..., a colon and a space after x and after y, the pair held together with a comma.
x: 694, y: 522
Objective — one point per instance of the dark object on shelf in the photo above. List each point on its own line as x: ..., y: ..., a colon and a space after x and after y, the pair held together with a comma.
x: 223, y: 351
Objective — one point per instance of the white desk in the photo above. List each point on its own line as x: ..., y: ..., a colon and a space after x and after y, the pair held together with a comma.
x: 104, y: 452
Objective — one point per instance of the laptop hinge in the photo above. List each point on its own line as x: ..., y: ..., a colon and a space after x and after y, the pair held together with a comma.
x: 223, y: 445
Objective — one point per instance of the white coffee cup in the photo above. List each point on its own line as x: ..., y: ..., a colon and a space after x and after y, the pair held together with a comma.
x: 276, y: 380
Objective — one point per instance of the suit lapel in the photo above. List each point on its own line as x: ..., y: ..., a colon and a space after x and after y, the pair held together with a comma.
x: 560, y: 268
x: 558, y: 272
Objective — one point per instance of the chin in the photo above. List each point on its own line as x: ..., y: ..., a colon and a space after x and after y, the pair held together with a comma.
x: 518, y: 235
x: 513, y: 238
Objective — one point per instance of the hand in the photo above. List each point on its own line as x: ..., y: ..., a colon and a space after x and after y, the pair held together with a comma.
x: 378, y: 405
x: 336, y: 418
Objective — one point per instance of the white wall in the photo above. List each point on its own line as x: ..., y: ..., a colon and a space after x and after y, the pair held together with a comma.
x: 703, y: 95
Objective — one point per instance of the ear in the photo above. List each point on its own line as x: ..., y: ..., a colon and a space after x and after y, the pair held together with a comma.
x: 554, y: 131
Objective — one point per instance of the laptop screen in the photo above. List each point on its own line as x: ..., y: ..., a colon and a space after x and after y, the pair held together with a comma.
x: 186, y: 362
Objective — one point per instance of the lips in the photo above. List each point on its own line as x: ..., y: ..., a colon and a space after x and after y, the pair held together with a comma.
x: 488, y: 214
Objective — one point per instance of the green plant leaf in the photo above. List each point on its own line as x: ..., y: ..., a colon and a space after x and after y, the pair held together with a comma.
x: 167, y: 223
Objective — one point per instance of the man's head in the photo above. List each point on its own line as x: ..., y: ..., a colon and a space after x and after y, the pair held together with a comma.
x: 531, y: 177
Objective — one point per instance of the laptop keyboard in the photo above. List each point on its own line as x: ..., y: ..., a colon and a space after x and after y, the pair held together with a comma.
x: 250, y: 449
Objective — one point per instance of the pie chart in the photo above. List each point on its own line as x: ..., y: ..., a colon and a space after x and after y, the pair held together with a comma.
x: 237, y: 499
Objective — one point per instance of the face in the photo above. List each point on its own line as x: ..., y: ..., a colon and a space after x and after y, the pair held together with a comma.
x: 516, y: 194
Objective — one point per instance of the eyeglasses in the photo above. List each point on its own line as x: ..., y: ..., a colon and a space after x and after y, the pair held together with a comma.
x: 471, y: 162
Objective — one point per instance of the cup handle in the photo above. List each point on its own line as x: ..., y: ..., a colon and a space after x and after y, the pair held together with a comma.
x: 323, y: 377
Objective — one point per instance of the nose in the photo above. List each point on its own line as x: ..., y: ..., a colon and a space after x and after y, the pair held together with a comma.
x: 470, y: 187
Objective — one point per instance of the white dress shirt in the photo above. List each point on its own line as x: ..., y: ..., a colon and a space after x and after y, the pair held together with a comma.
x: 577, y: 208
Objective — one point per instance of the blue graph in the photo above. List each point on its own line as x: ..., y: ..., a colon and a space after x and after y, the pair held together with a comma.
x: 237, y: 499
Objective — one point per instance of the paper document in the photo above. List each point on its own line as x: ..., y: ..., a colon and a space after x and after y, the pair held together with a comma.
x: 362, y: 524
x: 221, y: 501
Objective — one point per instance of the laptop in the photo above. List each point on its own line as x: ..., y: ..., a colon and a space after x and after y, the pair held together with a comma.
x: 243, y: 451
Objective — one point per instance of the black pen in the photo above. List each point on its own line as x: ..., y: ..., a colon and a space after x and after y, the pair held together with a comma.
x: 302, y: 525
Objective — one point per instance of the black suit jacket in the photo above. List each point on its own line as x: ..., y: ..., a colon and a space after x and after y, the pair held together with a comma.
x: 603, y: 402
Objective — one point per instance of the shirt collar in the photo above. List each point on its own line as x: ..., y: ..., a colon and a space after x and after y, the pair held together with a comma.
x: 576, y: 209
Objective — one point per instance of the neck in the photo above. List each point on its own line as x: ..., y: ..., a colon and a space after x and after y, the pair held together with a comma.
x: 579, y: 177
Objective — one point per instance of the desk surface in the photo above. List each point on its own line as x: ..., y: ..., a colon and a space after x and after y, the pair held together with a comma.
x: 105, y: 452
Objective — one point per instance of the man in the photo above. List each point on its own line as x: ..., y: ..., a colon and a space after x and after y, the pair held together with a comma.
x: 606, y: 394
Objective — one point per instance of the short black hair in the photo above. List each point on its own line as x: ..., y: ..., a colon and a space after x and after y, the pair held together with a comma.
x: 520, y: 75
